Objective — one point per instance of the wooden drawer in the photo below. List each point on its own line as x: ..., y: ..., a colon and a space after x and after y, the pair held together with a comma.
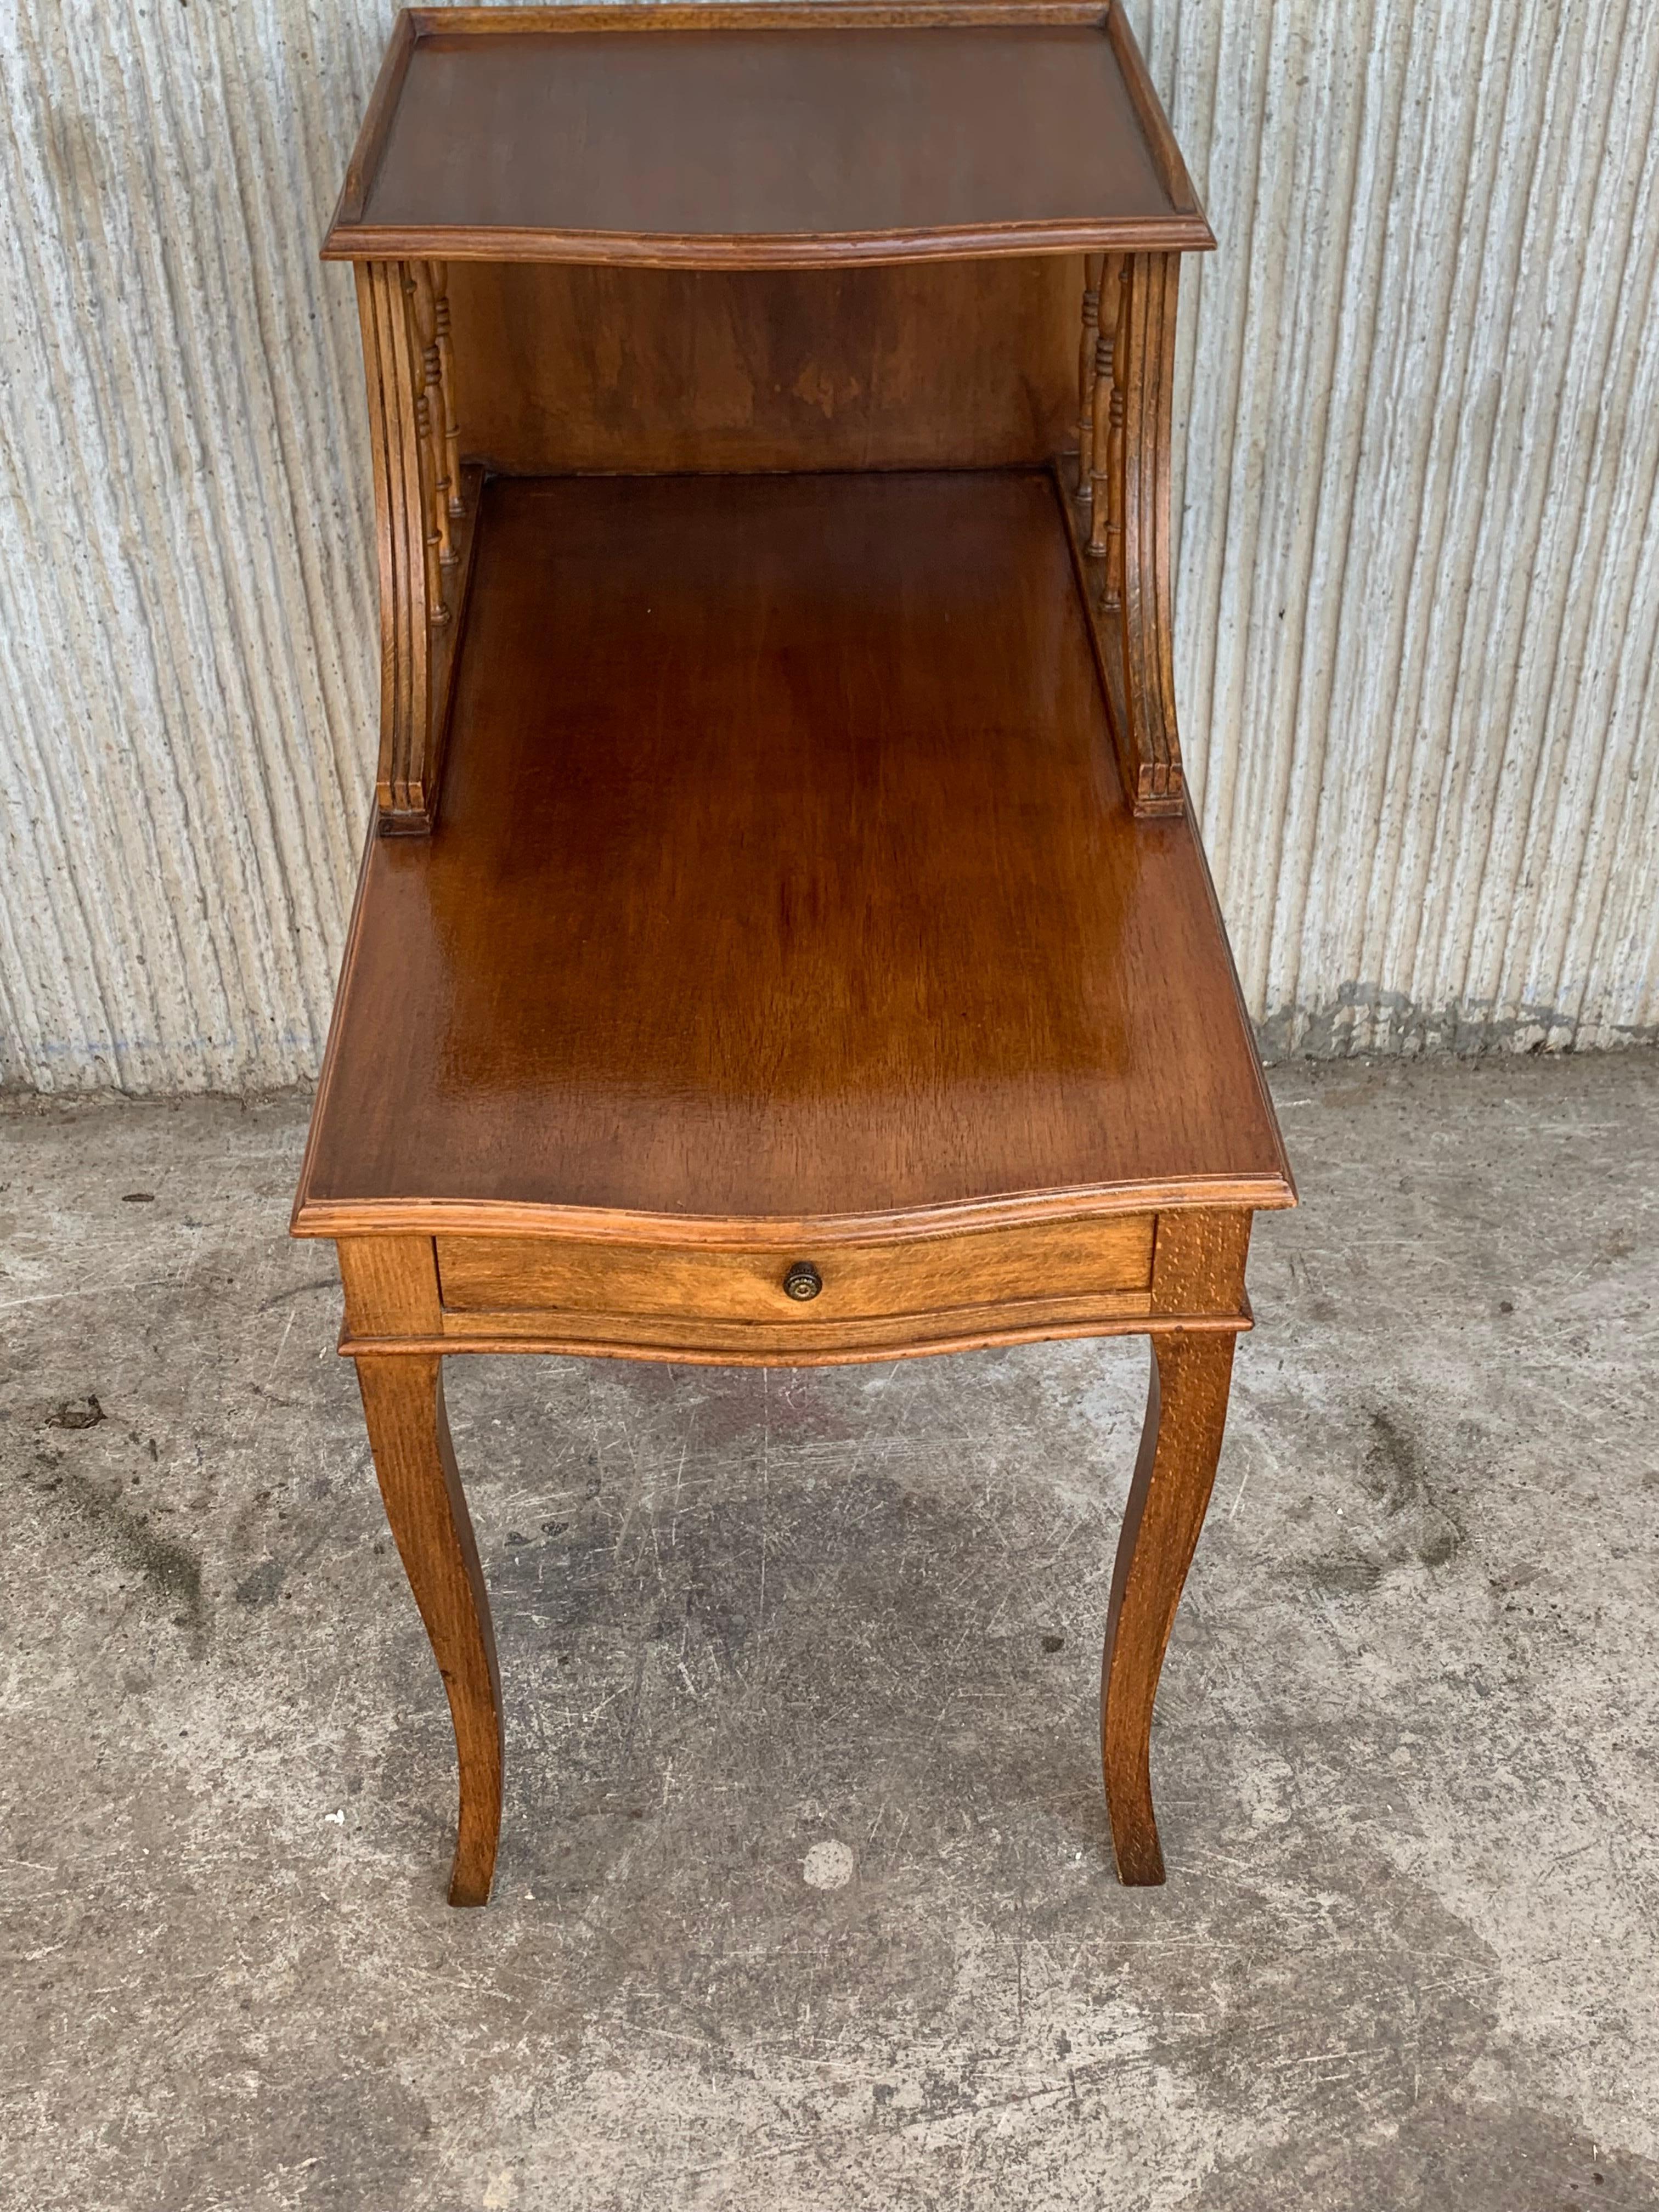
x: 1047, y: 1261
x: 877, y: 1300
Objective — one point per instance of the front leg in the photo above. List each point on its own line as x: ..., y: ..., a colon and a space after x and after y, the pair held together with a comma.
x: 415, y: 1462
x: 1186, y: 1412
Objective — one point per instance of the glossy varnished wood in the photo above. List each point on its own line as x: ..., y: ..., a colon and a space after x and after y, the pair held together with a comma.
x: 954, y: 364
x: 890, y: 1296
x: 1175, y: 1473
x: 688, y: 1339
x: 763, y: 137
x: 425, y: 508
x: 415, y: 1464
x: 785, y: 877
x: 1198, y: 1267
x: 855, y: 1282
x: 1121, y: 517
x: 392, y: 1296
x: 887, y: 1298
x: 777, y: 969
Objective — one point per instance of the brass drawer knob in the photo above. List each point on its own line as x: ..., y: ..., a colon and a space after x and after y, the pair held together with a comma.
x: 803, y: 1280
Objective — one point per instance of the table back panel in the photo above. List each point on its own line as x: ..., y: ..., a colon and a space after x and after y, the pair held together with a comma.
x: 956, y: 364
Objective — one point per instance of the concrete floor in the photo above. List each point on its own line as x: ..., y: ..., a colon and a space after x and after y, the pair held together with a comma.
x: 805, y: 1896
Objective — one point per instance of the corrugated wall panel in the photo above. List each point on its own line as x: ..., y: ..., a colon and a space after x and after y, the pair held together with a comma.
x: 188, y: 684
x: 1419, y: 491
x: 1420, y: 577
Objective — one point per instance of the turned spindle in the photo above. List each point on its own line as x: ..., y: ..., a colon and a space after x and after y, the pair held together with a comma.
x: 1092, y: 266
x: 1100, y: 498
x: 1112, y: 534
x: 437, y: 610
x: 446, y: 385
x: 435, y: 478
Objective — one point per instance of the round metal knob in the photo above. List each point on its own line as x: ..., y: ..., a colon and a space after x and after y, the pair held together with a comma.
x: 803, y: 1280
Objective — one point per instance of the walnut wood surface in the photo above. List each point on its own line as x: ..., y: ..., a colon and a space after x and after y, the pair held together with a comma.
x: 688, y: 1339
x: 1121, y: 517
x: 780, y: 898
x: 426, y: 509
x: 954, y: 364
x: 857, y: 1282
x: 391, y: 1286
x: 1186, y: 1413
x: 415, y: 1463
x: 885, y: 1299
x: 763, y: 137
x: 377, y: 117
x: 1198, y: 1263
x: 891, y: 1297
x: 1160, y: 134
x: 786, y: 877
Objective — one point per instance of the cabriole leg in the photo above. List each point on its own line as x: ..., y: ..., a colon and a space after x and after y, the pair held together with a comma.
x: 1186, y: 1413
x: 415, y: 1462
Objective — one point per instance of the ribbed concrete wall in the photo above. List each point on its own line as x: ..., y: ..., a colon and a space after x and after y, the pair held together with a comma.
x: 1418, y: 589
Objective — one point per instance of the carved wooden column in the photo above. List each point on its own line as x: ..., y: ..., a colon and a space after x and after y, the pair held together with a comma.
x: 1093, y: 266
x: 440, y: 275
x: 1101, y: 496
x: 425, y: 504
x: 1123, y: 518
x: 431, y: 418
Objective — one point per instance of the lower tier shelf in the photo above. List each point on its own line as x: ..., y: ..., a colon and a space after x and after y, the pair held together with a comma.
x: 782, y: 884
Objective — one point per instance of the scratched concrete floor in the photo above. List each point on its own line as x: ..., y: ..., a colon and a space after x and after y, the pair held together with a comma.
x: 804, y: 1897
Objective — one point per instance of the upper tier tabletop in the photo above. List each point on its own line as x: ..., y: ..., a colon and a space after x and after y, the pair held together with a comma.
x: 763, y: 137
x: 783, y: 881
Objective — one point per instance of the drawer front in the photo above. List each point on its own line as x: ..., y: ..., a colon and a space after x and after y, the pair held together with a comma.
x: 1042, y: 1261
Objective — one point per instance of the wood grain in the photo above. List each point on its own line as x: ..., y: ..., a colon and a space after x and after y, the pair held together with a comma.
x: 391, y: 1285
x: 1094, y: 269
x: 1186, y: 1413
x: 785, y: 977
x: 365, y: 157
x: 1198, y: 1264
x: 775, y: 138
x: 422, y: 592
x: 354, y: 1218
x: 950, y: 365
x: 898, y: 1297
x: 1119, y: 525
x: 729, y: 917
x: 917, y: 1275
x: 415, y: 1464
x: 1160, y: 134
x: 790, y: 1344
x: 1145, y: 619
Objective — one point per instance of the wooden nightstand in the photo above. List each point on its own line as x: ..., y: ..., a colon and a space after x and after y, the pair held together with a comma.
x: 784, y: 937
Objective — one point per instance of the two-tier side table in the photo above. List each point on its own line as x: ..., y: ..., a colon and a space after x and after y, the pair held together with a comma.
x: 783, y: 937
